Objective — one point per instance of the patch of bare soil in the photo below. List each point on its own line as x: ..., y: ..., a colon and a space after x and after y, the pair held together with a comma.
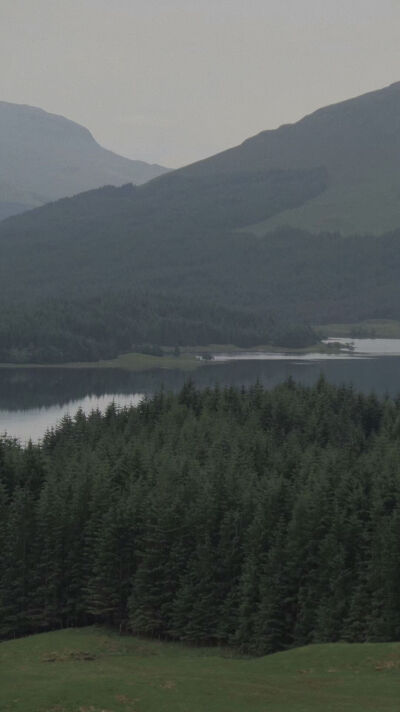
x: 68, y: 656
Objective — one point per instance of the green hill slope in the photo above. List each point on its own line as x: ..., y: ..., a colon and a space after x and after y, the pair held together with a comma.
x: 357, y: 142
x: 92, y: 670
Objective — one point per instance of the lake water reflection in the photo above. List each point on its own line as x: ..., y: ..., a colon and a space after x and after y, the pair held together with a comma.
x: 33, y: 400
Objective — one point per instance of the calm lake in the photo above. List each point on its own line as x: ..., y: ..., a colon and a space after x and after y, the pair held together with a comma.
x: 33, y: 400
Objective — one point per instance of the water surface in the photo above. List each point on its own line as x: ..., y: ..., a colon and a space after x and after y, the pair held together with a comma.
x: 369, y: 347
x: 33, y: 400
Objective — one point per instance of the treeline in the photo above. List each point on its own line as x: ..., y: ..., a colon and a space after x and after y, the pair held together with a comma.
x: 189, y: 289
x: 257, y: 519
x: 62, y: 330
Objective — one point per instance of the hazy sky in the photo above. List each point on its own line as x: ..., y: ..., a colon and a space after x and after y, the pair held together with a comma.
x: 172, y: 81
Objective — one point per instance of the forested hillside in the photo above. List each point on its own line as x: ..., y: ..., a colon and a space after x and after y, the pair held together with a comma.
x: 202, y: 287
x: 89, y: 277
x: 264, y: 520
x: 174, y: 262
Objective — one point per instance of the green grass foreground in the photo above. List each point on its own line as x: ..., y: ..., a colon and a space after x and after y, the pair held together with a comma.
x: 94, y: 670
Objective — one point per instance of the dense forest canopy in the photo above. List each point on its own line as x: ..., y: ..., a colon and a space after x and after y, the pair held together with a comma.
x: 259, y: 519
x: 199, y: 289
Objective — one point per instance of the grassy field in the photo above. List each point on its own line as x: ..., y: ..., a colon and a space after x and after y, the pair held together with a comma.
x: 145, y: 362
x: 373, y: 328
x: 370, y: 208
x: 127, y: 362
x: 94, y: 670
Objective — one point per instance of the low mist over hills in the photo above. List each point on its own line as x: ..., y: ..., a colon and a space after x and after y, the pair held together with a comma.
x: 45, y: 157
x: 179, y: 261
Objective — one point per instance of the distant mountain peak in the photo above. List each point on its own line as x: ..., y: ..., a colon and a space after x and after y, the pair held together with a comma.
x: 24, y: 113
x: 45, y: 156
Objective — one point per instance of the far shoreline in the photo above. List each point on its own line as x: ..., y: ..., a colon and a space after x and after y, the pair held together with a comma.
x: 191, y: 358
x: 194, y: 357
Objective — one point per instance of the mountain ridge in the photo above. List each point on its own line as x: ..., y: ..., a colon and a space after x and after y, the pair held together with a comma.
x: 47, y: 156
x: 357, y: 141
x: 286, y: 128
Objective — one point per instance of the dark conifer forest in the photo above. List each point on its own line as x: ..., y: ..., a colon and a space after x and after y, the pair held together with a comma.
x: 259, y: 519
x: 212, y: 288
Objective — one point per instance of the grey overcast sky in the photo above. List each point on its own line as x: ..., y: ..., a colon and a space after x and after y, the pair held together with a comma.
x: 172, y: 81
